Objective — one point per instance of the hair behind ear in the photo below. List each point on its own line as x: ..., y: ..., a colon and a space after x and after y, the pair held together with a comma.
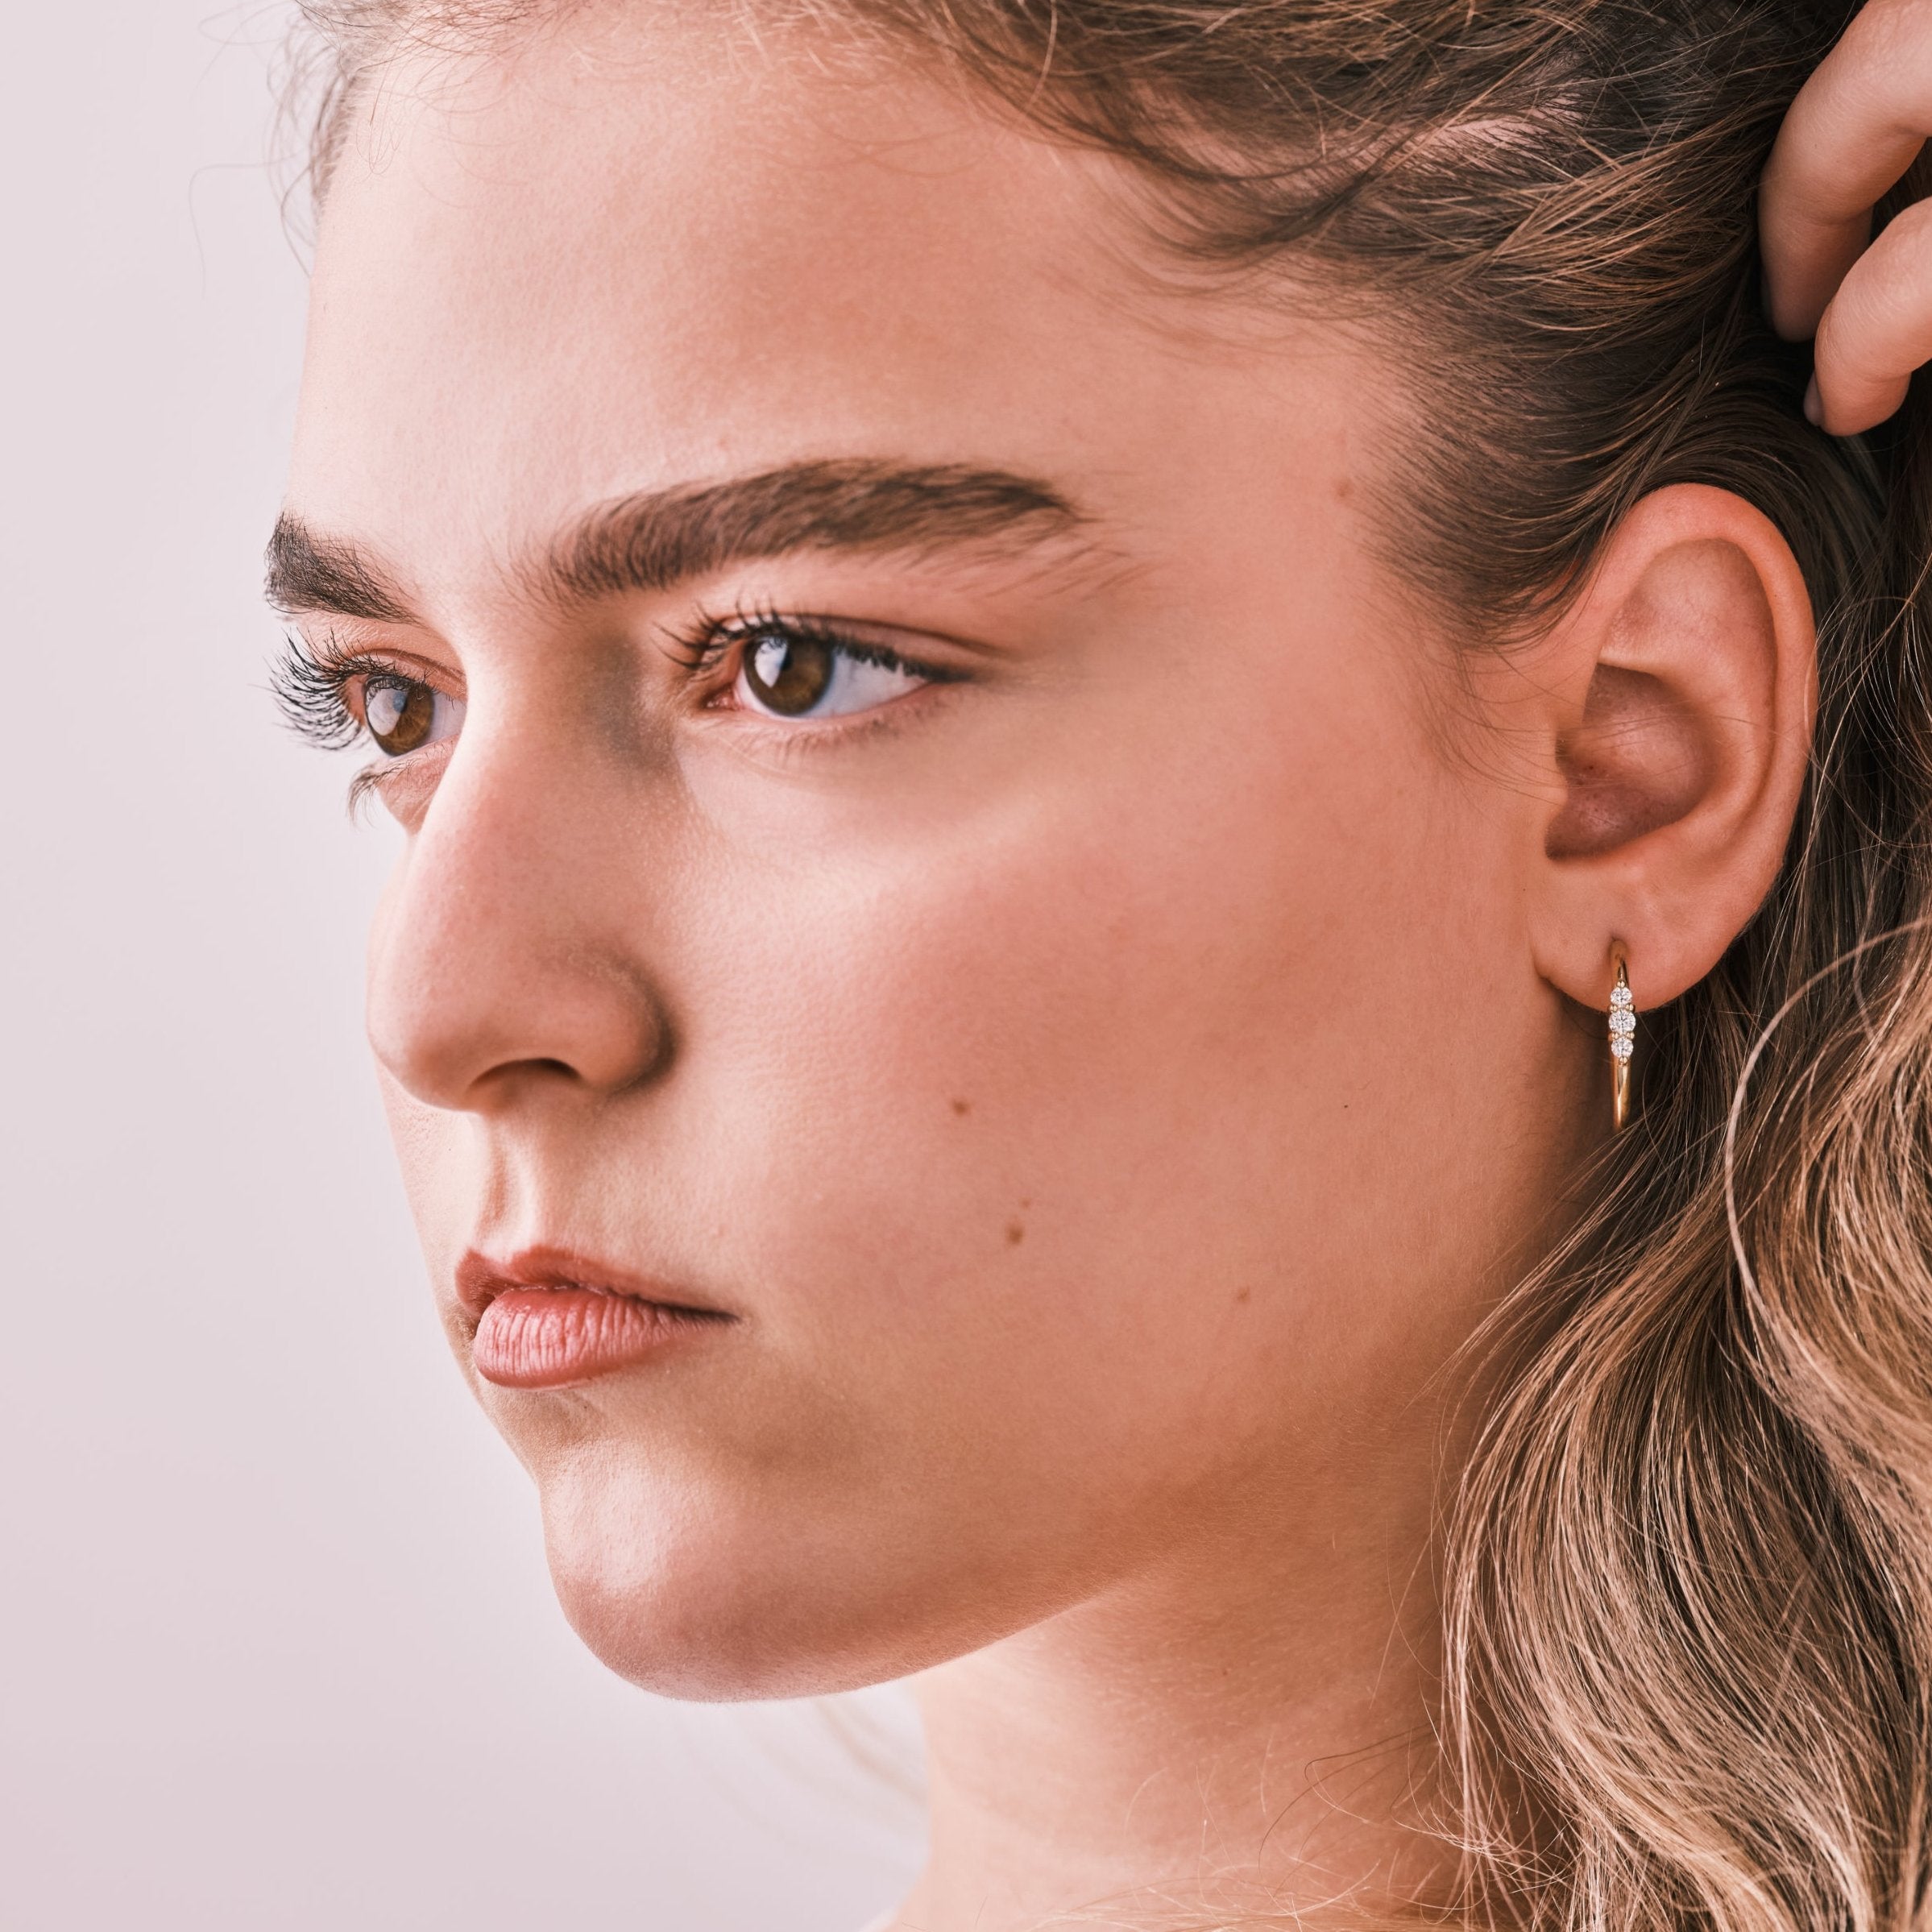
x: 1689, y: 1582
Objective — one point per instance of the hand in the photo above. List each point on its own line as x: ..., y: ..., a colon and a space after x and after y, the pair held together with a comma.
x: 1851, y: 135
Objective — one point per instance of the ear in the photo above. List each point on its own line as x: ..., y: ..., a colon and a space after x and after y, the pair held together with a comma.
x: 1681, y: 691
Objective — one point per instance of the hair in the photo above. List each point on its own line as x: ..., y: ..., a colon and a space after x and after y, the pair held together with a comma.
x: 1687, y: 1571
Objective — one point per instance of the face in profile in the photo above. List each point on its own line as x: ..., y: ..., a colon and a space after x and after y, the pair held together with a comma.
x: 935, y: 869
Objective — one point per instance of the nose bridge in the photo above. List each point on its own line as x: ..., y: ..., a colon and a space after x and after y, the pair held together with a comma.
x: 514, y: 934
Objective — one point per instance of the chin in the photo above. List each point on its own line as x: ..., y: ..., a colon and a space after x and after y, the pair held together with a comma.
x: 702, y: 1598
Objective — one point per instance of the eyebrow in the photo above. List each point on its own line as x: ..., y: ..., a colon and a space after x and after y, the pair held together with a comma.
x: 654, y: 540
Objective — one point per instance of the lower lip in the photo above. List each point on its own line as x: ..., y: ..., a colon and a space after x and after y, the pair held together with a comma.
x: 553, y: 1338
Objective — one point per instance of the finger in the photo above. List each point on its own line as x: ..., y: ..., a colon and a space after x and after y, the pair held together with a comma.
x: 1854, y: 130
x: 1879, y: 327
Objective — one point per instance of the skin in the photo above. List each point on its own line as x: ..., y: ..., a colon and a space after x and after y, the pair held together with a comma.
x: 1857, y: 126
x: 1107, y: 1090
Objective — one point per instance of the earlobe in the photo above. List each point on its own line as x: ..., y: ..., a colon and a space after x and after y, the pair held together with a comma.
x: 1679, y: 736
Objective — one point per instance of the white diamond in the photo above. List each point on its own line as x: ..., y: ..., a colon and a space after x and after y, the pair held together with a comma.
x: 1623, y: 1020
x: 1622, y: 996
x: 1622, y: 1046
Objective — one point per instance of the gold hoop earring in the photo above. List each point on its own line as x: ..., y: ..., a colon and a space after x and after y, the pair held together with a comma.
x: 1623, y: 1037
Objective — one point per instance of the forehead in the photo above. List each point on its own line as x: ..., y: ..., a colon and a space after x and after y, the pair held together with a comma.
x: 585, y: 267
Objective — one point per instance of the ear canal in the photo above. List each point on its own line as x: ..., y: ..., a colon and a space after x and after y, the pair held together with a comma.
x: 1637, y: 762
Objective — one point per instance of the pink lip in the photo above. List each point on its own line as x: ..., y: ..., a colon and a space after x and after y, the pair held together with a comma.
x: 550, y: 1320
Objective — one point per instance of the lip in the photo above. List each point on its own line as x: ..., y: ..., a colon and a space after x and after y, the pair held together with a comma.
x: 549, y: 1318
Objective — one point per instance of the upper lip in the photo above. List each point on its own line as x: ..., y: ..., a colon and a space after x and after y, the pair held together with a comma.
x: 481, y: 1278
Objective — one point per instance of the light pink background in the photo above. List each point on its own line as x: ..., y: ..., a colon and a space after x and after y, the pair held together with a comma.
x: 277, y: 1651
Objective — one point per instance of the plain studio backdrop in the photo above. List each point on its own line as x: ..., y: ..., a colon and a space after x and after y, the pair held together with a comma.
x: 277, y: 1649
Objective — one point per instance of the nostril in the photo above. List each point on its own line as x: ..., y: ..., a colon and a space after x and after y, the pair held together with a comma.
x: 493, y: 1084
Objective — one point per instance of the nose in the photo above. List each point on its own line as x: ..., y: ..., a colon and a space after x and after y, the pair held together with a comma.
x: 510, y: 947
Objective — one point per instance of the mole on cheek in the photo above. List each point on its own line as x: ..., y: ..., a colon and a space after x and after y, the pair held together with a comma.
x: 962, y: 1108
x: 1016, y: 1233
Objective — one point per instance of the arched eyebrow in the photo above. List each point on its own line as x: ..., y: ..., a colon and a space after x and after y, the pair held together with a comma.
x: 659, y: 539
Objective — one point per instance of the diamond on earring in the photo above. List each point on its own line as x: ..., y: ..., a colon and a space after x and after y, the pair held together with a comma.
x: 1622, y: 1039
x: 1622, y: 1030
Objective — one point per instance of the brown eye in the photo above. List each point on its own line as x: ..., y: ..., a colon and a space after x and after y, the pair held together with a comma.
x: 784, y: 674
x: 400, y: 714
x: 789, y: 675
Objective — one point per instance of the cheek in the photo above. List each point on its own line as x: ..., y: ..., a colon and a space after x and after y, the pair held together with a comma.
x: 1055, y: 1113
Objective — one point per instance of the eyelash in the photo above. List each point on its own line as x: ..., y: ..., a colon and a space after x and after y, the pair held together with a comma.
x: 312, y: 690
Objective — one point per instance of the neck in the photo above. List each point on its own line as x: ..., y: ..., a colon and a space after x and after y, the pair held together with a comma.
x: 1242, y: 1728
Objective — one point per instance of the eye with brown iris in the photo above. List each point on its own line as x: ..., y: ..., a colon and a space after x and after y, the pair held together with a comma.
x: 789, y: 675
x: 400, y: 715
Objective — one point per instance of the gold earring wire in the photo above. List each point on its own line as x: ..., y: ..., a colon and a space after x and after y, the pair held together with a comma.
x: 1623, y: 1037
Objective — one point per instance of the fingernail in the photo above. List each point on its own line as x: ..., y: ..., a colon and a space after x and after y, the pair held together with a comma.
x: 1815, y: 406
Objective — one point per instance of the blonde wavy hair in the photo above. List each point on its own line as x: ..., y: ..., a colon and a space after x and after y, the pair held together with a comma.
x: 1687, y: 1572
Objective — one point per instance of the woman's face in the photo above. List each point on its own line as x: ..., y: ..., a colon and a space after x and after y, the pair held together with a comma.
x: 932, y: 841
